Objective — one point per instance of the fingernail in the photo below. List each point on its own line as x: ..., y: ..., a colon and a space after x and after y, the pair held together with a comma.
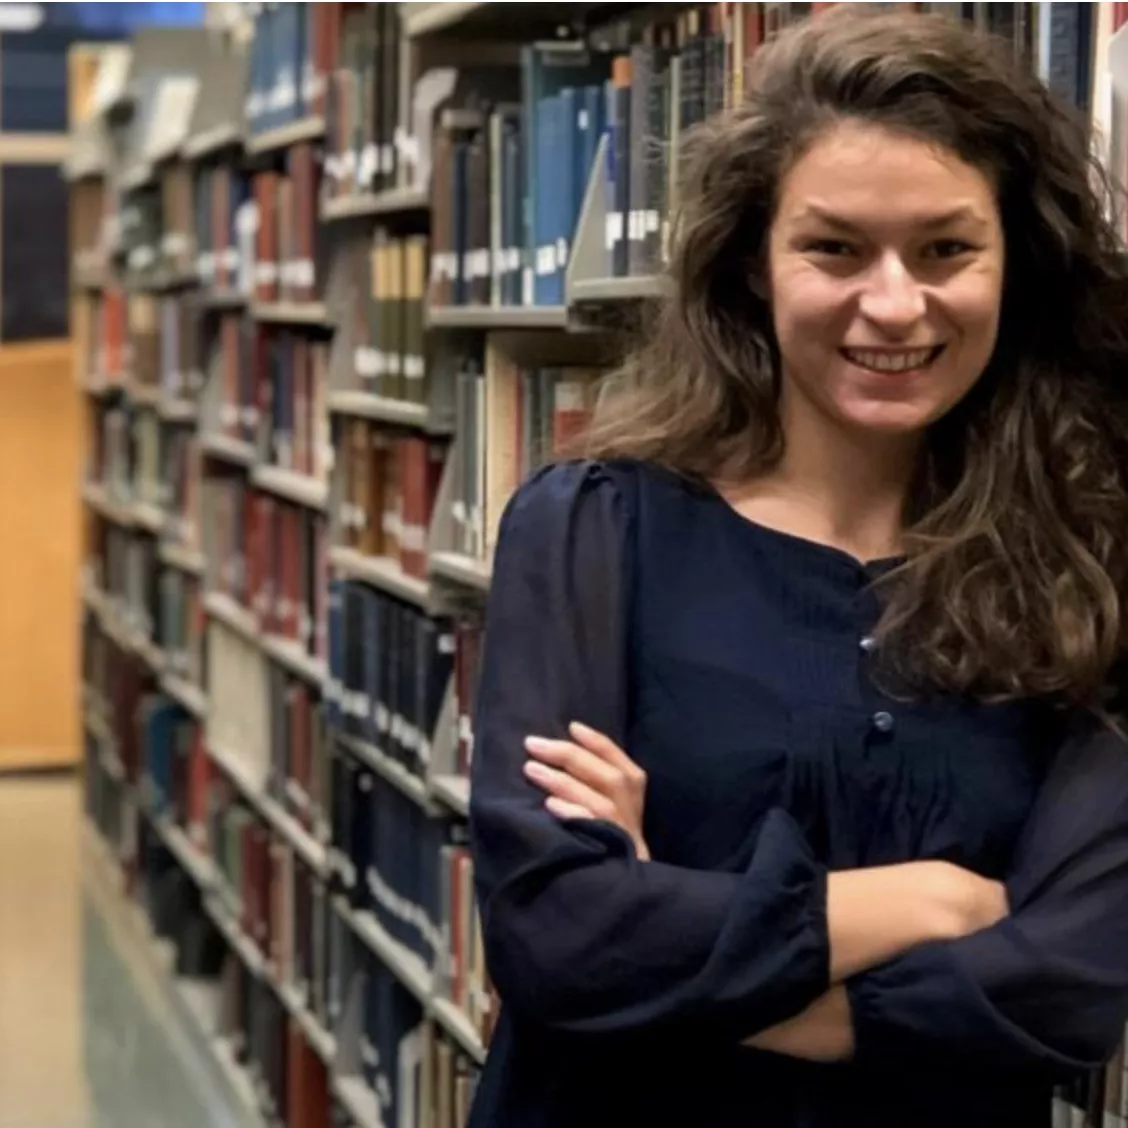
x: 535, y: 743
x: 535, y: 769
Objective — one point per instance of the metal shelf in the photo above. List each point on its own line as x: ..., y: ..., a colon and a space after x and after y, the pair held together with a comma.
x: 628, y: 288
x: 192, y: 697
x: 312, y: 851
x: 370, y: 406
x: 293, y: 313
x: 454, y: 792
x: 388, y: 769
x: 381, y: 572
x: 219, y: 137
x: 291, y: 485
x: 229, y: 612
x: 360, y: 204
x: 229, y: 449
x: 270, y: 140
x: 460, y: 569
x: 181, y: 556
x: 290, y: 654
x: 497, y: 317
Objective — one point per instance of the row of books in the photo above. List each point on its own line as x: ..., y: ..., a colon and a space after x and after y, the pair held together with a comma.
x: 299, y: 777
x: 177, y: 212
x: 291, y: 377
x: 289, y: 1079
x: 180, y: 373
x: 286, y: 231
x: 287, y: 913
x: 509, y: 419
x: 271, y: 557
x: 225, y: 222
x: 386, y: 313
x: 139, y: 231
x: 127, y: 568
x: 181, y: 466
x: 174, y: 773
x: 106, y: 349
x: 386, y: 853
x: 363, y: 102
x: 180, y: 626
x: 291, y: 53
x: 423, y: 902
x: 389, y: 481
x: 271, y: 388
x: 231, y: 366
x: 390, y: 667
x: 111, y: 457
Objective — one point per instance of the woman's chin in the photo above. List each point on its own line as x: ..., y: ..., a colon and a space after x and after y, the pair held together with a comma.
x: 888, y: 418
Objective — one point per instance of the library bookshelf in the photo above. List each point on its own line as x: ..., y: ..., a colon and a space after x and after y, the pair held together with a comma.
x: 343, y: 275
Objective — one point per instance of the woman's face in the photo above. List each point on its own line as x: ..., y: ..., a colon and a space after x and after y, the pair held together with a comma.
x: 886, y: 274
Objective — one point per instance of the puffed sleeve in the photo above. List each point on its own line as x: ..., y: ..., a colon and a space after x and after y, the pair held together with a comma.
x: 1047, y: 988
x: 579, y: 935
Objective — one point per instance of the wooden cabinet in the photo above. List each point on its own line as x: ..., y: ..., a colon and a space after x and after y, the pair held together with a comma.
x: 40, y: 457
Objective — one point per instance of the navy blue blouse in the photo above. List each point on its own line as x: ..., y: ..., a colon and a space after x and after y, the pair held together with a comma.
x: 731, y: 661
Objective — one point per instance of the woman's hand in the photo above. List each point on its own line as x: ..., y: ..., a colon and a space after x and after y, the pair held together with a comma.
x: 590, y: 777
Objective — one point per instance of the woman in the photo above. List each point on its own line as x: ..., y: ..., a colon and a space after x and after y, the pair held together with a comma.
x: 842, y: 838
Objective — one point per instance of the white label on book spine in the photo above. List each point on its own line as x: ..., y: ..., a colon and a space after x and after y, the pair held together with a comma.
x: 302, y: 273
x: 387, y: 158
x: 527, y: 286
x: 546, y: 260
x: 174, y: 242
x: 366, y: 168
x: 613, y: 229
x: 561, y: 253
x: 414, y: 538
x: 414, y: 367
x: 383, y: 718
x: 266, y: 273
x: 247, y: 219
x: 364, y: 360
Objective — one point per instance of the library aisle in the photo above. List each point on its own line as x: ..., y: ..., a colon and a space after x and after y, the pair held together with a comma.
x: 88, y: 1036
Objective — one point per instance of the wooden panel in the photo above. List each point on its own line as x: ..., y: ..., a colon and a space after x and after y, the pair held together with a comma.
x: 40, y: 456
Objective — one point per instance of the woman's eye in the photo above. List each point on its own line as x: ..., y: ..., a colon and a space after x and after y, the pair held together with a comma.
x: 833, y: 247
x: 948, y: 248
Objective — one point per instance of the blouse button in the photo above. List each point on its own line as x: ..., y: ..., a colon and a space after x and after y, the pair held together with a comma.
x: 883, y: 721
x: 868, y: 644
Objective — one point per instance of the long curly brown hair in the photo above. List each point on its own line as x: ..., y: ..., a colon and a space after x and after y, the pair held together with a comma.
x: 1017, y: 530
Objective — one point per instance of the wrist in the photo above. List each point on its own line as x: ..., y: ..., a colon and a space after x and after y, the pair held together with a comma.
x: 944, y: 899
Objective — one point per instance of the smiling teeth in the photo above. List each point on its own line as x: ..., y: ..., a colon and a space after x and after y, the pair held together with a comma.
x: 890, y: 362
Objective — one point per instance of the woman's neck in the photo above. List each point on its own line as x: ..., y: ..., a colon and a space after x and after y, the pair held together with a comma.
x: 835, y: 487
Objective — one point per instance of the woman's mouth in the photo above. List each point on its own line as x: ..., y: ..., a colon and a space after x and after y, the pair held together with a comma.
x: 893, y: 361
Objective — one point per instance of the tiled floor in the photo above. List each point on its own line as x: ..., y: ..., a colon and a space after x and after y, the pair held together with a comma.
x: 89, y: 1037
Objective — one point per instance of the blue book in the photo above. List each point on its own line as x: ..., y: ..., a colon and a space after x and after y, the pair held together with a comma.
x: 546, y: 69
